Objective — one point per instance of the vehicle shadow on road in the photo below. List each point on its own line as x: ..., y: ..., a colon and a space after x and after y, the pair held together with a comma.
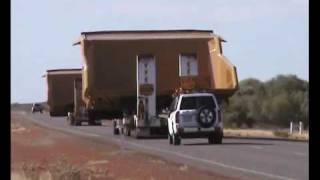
x: 226, y: 143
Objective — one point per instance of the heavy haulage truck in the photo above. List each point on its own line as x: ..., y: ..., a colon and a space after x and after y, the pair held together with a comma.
x: 130, y: 76
x: 60, y: 90
x: 79, y: 113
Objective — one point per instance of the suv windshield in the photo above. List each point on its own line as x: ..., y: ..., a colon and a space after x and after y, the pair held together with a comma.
x: 196, y: 102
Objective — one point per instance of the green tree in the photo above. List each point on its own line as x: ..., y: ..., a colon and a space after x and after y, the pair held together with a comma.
x: 278, y: 101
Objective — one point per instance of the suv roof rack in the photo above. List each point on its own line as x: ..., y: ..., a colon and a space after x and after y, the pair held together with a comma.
x: 180, y: 90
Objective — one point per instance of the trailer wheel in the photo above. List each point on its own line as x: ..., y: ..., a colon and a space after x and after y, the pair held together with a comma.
x: 170, y: 139
x: 115, y: 131
x: 99, y: 123
x: 127, y: 131
x: 70, y: 119
x: 135, y: 134
x: 176, y: 139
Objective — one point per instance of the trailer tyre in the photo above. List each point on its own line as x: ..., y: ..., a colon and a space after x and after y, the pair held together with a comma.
x: 176, y: 139
x: 70, y: 121
x: 127, y: 131
x: 99, y: 123
x: 170, y: 139
x: 135, y: 133
x: 115, y: 131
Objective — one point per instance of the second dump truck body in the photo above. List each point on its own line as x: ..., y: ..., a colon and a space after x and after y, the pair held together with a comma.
x: 190, y: 58
x: 60, y: 90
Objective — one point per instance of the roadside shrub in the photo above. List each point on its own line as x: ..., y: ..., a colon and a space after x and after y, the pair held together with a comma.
x: 63, y: 170
x: 281, y: 134
x: 278, y: 101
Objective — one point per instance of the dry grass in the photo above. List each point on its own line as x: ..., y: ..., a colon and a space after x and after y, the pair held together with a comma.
x: 265, y: 133
x: 62, y: 169
x: 284, y: 134
x: 31, y: 171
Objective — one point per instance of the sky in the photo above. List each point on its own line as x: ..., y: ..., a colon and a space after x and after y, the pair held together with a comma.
x: 264, y: 37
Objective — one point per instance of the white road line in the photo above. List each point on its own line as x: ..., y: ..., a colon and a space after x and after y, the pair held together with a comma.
x: 212, y: 162
x: 295, y: 153
x: 81, y: 133
x: 256, y: 147
x: 300, y: 154
x: 297, y: 143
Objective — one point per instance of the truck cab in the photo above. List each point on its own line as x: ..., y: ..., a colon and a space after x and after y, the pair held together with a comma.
x: 195, y: 115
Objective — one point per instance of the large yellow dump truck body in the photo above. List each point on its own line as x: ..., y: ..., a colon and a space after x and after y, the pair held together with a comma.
x: 60, y: 90
x: 109, y: 61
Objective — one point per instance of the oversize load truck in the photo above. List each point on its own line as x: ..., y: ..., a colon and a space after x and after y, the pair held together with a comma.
x: 60, y: 90
x: 130, y: 76
x: 79, y: 113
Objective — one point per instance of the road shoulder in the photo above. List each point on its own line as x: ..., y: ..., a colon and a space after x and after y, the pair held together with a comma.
x: 39, y: 151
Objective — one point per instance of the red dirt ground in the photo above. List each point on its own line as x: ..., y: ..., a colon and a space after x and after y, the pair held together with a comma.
x: 41, y: 153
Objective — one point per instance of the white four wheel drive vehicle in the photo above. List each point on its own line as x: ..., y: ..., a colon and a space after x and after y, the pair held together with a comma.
x: 195, y: 115
x: 36, y: 108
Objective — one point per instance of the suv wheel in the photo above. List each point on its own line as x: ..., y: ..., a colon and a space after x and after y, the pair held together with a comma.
x: 176, y: 139
x: 91, y: 120
x: 217, y: 137
x: 77, y: 123
x: 211, y: 139
x: 170, y: 139
x: 206, y: 117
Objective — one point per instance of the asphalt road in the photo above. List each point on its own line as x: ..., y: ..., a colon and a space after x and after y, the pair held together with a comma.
x: 241, y: 158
